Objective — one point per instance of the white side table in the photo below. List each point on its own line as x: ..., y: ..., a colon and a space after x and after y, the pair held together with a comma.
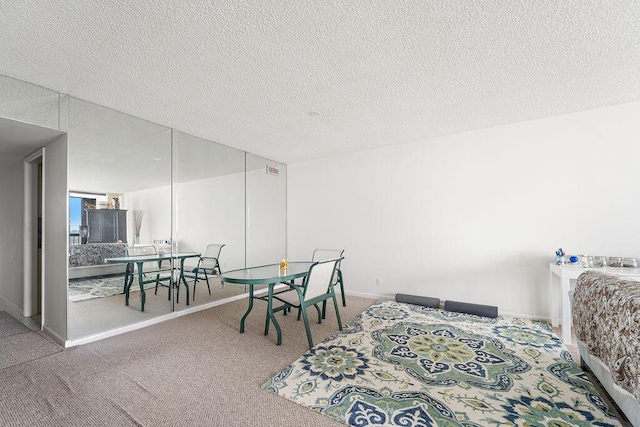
x: 561, y: 276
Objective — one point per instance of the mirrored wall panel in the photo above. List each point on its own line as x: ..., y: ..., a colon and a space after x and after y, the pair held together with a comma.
x: 266, y: 211
x: 209, y: 203
x: 28, y: 103
x: 139, y: 190
x: 119, y: 207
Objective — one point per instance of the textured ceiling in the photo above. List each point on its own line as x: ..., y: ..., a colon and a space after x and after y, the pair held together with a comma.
x: 247, y: 73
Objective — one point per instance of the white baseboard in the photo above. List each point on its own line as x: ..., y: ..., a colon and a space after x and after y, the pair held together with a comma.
x: 523, y: 316
x: 373, y: 296
x: 119, y: 331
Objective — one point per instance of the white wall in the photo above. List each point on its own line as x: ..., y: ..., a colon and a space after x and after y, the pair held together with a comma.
x: 212, y: 211
x: 476, y: 216
x: 266, y: 212
x: 11, y: 238
x: 208, y: 211
x: 156, y: 206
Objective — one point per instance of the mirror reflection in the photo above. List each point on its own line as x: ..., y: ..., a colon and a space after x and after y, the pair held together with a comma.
x: 120, y: 196
x: 151, y: 208
x: 209, y: 197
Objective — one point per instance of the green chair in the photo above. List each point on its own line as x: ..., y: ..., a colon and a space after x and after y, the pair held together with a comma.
x: 316, y: 287
x: 208, y: 265
x: 324, y: 254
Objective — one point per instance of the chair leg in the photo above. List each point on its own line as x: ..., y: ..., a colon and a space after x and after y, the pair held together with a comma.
x: 306, y: 325
x: 195, y: 281
x: 344, y: 299
x: 335, y: 304
x: 206, y: 277
x: 267, y: 322
x: 177, y: 291
x: 324, y: 309
x: 319, y: 313
x: 213, y: 272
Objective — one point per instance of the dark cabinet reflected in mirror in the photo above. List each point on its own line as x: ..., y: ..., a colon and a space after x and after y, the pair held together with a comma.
x: 105, y: 226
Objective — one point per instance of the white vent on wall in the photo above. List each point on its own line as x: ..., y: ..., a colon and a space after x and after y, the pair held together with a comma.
x: 273, y: 170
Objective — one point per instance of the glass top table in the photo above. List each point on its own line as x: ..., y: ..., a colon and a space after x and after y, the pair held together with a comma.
x: 265, y: 275
x: 140, y: 260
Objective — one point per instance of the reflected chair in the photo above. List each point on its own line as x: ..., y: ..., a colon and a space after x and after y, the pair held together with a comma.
x: 152, y: 271
x: 324, y: 254
x: 317, y: 287
x: 208, y: 265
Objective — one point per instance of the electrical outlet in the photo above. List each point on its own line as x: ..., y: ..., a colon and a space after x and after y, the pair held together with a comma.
x: 378, y: 281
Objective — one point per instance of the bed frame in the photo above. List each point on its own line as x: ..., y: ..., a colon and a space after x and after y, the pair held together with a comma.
x: 623, y: 399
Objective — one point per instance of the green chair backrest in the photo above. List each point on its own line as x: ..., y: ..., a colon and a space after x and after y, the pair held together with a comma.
x: 320, y: 278
x: 325, y: 254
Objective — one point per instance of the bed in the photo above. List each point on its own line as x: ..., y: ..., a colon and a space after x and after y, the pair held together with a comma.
x: 606, y: 320
x: 411, y: 365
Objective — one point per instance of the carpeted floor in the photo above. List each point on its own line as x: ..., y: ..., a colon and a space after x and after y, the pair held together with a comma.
x: 196, y: 370
x: 18, y: 344
x: 96, y: 315
x: 10, y: 326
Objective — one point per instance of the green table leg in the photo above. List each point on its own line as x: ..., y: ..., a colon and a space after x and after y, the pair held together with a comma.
x: 271, y: 316
x: 177, y: 289
x: 248, y: 309
x: 143, y: 296
x: 183, y: 279
x: 128, y: 280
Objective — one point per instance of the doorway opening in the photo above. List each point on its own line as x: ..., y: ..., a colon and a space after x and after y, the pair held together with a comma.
x: 33, y: 237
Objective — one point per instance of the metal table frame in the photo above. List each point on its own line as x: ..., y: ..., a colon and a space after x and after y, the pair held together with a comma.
x: 270, y: 275
x: 140, y: 260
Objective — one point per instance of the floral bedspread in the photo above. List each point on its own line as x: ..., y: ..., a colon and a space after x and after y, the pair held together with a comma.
x: 407, y: 365
x: 606, y: 318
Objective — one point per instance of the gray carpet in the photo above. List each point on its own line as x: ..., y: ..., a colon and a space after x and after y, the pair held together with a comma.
x: 18, y: 344
x: 10, y: 326
x: 196, y: 370
x: 101, y: 314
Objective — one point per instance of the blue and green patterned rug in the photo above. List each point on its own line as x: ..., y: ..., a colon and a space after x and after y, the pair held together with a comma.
x: 406, y: 365
x: 86, y: 289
